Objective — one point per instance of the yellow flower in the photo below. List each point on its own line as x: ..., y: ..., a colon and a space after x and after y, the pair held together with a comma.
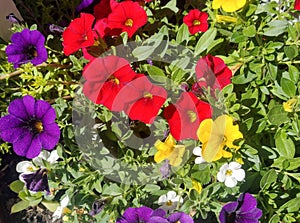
x: 228, y: 5
x: 239, y: 160
x: 224, y: 18
x: 169, y: 150
x: 290, y: 104
x: 214, y: 135
x: 197, y: 186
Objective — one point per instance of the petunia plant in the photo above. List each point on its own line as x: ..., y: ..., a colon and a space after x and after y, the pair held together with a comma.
x: 155, y: 111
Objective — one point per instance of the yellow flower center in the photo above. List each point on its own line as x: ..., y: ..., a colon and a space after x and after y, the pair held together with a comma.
x: 196, y: 22
x: 228, y: 172
x: 38, y: 126
x: 148, y: 95
x: 30, y: 168
x: 129, y: 22
x: 114, y: 79
x: 169, y: 203
x: 192, y: 115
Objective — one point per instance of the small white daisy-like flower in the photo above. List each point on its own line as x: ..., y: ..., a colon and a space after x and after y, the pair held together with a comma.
x: 61, y: 209
x: 51, y: 158
x: 231, y: 173
x: 169, y: 201
x: 197, y: 151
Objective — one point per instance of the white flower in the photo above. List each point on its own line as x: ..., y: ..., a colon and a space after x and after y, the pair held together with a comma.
x: 61, y: 209
x: 51, y: 158
x: 169, y: 201
x: 197, y: 151
x: 231, y: 173
x: 25, y: 167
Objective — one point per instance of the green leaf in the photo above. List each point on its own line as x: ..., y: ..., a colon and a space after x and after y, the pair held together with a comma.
x: 242, y: 79
x: 151, y: 188
x: 50, y: 205
x: 285, y: 145
x: 19, y: 206
x: 274, y: 219
x: 172, y: 6
x: 203, y: 175
x: 276, y: 28
x: 35, y: 202
x: 268, y: 178
x: 156, y: 73
x: 288, y: 87
x: 238, y: 37
x: 291, y: 51
x: 112, y: 190
x: 291, y: 206
x: 143, y: 52
x: 249, y: 31
x: 293, y: 73
x: 277, y: 115
x: 16, y: 186
x: 182, y: 34
x: 205, y: 41
x: 293, y: 164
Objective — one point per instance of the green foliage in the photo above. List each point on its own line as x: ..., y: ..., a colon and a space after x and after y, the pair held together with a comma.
x: 262, y: 50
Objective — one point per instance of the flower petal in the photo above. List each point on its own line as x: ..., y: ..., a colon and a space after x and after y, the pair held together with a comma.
x: 230, y: 181
x: 44, y: 112
x: 239, y: 174
x: 24, y: 167
x: 10, y: 128
x: 50, y: 136
x: 27, y: 145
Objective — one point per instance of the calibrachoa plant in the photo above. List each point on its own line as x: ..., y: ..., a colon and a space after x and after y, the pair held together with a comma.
x: 156, y: 111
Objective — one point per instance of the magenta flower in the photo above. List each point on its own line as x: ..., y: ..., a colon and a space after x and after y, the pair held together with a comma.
x: 27, y: 46
x: 243, y: 210
x: 143, y: 214
x: 30, y: 126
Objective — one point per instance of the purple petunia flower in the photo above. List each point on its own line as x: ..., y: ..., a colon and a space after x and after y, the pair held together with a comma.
x: 83, y: 5
x: 243, y: 210
x: 30, y: 126
x: 37, y: 181
x: 97, y: 207
x: 27, y: 46
x: 143, y: 214
x: 180, y: 217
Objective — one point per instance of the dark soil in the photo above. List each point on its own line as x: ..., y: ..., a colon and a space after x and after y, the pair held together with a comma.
x: 8, y: 198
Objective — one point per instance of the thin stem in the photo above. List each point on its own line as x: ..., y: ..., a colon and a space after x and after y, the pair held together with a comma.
x: 15, y: 73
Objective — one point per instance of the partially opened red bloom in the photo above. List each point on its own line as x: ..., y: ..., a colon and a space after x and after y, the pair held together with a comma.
x: 297, y: 5
x: 142, y: 99
x: 105, y: 77
x: 104, y: 8
x: 196, y: 21
x: 185, y: 116
x: 128, y: 16
x: 212, y: 72
x: 78, y: 34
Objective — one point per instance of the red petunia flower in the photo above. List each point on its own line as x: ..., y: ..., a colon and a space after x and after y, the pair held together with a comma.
x: 297, y: 5
x: 104, y: 8
x: 185, y: 116
x: 128, y: 16
x: 212, y: 72
x: 78, y: 34
x: 196, y: 21
x: 105, y: 77
x: 103, y: 29
x: 142, y: 99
